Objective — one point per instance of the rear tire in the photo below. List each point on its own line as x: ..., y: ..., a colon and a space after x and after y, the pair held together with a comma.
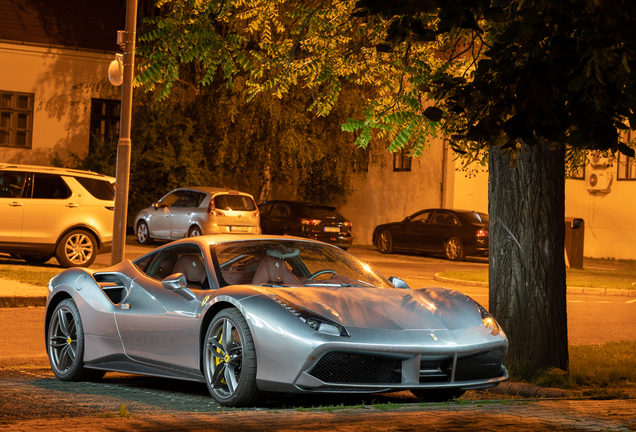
x: 385, y: 242
x: 454, y: 249
x: 77, y: 248
x: 65, y: 344
x: 195, y: 231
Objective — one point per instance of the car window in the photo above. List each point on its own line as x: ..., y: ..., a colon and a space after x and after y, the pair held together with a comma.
x: 477, y: 217
x: 234, y: 202
x: 185, y: 259
x: 321, y: 212
x: 422, y: 217
x: 11, y: 184
x: 169, y: 200
x: 265, y: 209
x: 49, y: 186
x: 291, y: 263
x: 445, y: 218
x: 100, y: 189
x: 189, y: 199
x: 281, y: 210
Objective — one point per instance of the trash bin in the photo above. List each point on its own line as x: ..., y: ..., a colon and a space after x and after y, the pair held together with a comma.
x: 574, y: 239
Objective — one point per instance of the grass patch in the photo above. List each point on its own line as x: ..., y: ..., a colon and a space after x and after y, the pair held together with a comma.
x: 330, y: 408
x: 596, y: 273
x: 30, y: 274
x: 595, y: 367
x: 387, y: 406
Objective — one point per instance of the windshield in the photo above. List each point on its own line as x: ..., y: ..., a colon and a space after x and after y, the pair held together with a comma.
x: 290, y: 263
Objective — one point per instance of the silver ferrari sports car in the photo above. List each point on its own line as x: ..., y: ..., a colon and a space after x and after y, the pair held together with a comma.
x: 249, y: 315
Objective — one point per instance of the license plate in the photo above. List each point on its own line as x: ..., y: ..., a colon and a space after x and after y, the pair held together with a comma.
x: 239, y: 228
x: 332, y: 229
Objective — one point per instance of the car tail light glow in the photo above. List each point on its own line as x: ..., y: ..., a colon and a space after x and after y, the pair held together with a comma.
x: 482, y: 233
x: 347, y: 224
x: 256, y: 214
x: 305, y: 221
x: 213, y: 211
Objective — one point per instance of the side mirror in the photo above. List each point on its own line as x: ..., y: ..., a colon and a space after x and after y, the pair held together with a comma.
x: 177, y: 283
x: 155, y: 205
x: 399, y: 283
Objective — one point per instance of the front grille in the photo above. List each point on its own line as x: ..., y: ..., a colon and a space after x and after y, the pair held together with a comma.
x: 435, y: 370
x: 348, y: 368
x: 479, y: 366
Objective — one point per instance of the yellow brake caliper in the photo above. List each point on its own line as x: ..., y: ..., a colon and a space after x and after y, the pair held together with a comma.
x: 217, y: 360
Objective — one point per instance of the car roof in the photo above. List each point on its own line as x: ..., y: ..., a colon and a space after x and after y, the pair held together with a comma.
x: 212, y: 190
x: 206, y: 240
x: 298, y: 203
x: 55, y: 170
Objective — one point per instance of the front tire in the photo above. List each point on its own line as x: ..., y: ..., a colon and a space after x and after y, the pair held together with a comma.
x: 143, y: 233
x: 77, y: 249
x: 65, y: 344
x: 385, y: 242
x: 454, y: 249
x: 229, y: 360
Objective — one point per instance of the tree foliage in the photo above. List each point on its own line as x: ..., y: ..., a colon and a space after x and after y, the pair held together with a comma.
x: 531, y: 84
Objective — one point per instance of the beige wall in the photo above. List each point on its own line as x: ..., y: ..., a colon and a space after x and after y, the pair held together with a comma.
x: 388, y: 196
x: 63, y: 82
x: 610, y: 217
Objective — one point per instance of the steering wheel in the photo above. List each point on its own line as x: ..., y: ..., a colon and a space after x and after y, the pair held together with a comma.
x: 319, y: 272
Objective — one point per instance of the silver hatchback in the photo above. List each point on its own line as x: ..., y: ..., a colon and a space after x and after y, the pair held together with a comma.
x: 195, y: 211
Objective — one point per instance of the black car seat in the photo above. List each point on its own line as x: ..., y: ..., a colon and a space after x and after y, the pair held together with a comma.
x: 191, y: 265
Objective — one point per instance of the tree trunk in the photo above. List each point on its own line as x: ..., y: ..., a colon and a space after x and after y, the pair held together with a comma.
x: 527, y: 264
x: 265, y: 177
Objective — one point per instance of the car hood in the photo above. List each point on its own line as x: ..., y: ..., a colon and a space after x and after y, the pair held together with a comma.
x: 387, y: 308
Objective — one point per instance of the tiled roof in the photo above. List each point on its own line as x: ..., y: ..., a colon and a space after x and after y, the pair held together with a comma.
x: 89, y: 24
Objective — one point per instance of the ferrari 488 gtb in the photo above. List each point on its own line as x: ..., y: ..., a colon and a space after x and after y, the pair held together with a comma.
x: 249, y: 315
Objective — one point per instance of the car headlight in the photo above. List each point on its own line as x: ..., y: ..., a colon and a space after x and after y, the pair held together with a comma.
x: 317, y: 322
x: 489, y: 321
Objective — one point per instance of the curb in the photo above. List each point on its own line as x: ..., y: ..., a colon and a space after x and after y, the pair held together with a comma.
x: 570, y: 290
x: 528, y: 390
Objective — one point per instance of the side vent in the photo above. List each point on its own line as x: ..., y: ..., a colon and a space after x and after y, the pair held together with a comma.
x: 113, y: 286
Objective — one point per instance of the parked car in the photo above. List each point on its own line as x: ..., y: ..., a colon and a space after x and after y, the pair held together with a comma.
x: 195, y: 211
x: 49, y: 211
x: 456, y: 233
x: 306, y: 219
x: 249, y: 315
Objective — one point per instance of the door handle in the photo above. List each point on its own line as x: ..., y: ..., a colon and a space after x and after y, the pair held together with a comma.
x: 16, y: 204
x: 71, y: 205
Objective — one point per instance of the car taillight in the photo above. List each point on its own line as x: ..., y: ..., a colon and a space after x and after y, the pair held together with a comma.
x: 347, y: 224
x: 212, y: 211
x: 305, y: 221
x: 110, y: 208
x: 482, y: 233
x: 256, y: 214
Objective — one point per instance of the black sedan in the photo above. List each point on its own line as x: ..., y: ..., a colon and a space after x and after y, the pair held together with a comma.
x: 306, y: 219
x: 457, y: 233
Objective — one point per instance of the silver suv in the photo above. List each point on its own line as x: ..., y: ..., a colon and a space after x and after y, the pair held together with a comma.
x: 47, y: 211
x: 195, y: 211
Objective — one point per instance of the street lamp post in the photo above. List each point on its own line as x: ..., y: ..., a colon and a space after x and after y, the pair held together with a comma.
x: 124, y: 144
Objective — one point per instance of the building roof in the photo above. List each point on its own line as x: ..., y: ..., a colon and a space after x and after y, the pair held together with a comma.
x: 79, y: 24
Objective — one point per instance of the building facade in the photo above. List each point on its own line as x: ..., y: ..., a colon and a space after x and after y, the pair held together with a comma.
x: 54, y: 91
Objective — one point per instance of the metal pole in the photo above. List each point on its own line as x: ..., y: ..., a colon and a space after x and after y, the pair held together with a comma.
x: 124, y: 145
